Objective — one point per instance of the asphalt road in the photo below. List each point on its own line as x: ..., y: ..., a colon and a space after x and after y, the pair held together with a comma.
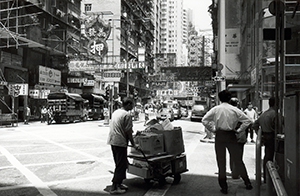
x: 74, y: 159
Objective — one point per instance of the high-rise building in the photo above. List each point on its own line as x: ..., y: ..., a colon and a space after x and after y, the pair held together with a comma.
x: 37, y: 38
x: 172, y: 29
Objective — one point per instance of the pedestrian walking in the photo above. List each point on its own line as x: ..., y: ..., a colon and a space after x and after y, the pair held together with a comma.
x: 251, y: 113
x: 27, y: 115
x: 222, y: 120
x: 146, y: 114
x: 49, y: 115
x: 119, y: 136
x: 266, y: 122
x: 43, y: 114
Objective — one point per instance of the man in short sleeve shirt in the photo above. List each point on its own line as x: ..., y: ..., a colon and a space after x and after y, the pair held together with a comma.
x: 119, y: 135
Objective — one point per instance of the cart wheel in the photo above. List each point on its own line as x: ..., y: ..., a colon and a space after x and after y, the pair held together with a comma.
x: 147, y: 180
x: 177, y: 178
x: 162, y: 181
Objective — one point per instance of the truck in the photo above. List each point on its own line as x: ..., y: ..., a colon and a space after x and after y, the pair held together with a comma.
x: 95, y: 105
x: 67, y: 107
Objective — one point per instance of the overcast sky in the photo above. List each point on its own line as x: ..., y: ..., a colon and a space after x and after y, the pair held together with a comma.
x: 202, y: 19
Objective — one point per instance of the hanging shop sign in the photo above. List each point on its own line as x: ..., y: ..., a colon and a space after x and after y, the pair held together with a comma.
x: 17, y: 89
x: 49, y: 76
x: 97, y: 31
x: 77, y: 80
x: 81, y: 65
x: 97, y: 48
x: 89, y: 83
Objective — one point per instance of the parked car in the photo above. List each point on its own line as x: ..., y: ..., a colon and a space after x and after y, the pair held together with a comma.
x: 165, y: 113
x: 198, y: 111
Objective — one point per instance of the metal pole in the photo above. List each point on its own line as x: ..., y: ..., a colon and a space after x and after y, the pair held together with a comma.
x: 258, y: 163
x: 127, y: 66
x: 282, y: 70
x: 222, y: 42
x: 277, y: 34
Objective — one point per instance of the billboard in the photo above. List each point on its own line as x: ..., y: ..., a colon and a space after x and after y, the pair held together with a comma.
x: 49, y: 76
x: 188, y: 73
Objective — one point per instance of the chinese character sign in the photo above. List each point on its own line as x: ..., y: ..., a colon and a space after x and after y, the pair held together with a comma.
x: 97, y: 31
x: 97, y: 48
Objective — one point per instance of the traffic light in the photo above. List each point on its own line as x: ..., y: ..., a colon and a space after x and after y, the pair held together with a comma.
x: 107, y: 89
x: 116, y: 93
x: 135, y: 94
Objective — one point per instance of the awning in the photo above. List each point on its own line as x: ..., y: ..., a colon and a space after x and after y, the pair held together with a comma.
x: 239, y: 87
x: 74, y: 96
x: 99, y: 97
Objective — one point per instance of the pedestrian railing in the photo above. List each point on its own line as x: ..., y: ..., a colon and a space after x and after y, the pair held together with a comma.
x: 274, y: 183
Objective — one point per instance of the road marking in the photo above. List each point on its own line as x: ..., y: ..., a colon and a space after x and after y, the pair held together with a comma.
x: 38, y: 183
x: 158, y: 192
x: 109, y: 163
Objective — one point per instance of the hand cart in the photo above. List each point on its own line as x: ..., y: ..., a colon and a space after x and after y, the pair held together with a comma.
x: 158, y: 167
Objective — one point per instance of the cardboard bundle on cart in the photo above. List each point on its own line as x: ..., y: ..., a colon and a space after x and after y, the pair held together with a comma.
x: 163, y: 146
x: 173, y: 140
x: 159, y: 138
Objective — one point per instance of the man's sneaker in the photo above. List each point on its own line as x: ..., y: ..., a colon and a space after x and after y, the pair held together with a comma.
x: 123, y: 186
x: 117, y: 191
x: 249, y: 186
x: 224, y: 191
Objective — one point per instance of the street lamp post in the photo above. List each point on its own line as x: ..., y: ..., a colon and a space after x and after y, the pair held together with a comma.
x: 127, y: 66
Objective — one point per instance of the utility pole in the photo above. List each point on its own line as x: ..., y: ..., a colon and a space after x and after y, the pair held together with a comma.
x: 221, y: 85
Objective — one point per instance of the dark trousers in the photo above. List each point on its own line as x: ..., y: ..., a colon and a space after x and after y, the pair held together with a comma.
x: 250, y: 131
x: 227, y: 140
x: 121, y: 163
x: 234, y: 172
x: 268, y: 140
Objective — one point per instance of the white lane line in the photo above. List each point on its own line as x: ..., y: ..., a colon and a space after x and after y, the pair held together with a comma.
x: 53, y: 183
x: 16, y: 187
x: 158, y: 192
x: 109, y: 163
x: 38, y: 183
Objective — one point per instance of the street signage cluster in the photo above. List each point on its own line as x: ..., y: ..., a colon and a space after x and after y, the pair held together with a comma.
x: 82, y: 65
x: 219, y: 78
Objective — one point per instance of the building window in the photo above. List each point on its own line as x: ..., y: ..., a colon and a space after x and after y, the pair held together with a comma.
x: 87, y: 7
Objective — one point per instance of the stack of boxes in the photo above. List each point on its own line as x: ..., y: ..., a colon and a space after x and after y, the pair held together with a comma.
x: 163, y: 148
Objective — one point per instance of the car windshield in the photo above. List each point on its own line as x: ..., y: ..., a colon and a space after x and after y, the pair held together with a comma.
x: 199, y: 107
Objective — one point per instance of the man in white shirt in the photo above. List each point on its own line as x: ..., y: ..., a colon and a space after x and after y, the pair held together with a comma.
x: 251, y: 113
x: 222, y: 120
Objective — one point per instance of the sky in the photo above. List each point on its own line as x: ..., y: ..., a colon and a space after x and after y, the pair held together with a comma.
x: 202, y: 19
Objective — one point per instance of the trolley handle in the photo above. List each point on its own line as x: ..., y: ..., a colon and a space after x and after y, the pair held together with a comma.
x: 139, y: 149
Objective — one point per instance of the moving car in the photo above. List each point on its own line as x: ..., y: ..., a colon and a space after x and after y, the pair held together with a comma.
x: 165, y: 113
x: 198, y: 111
x: 175, y: 106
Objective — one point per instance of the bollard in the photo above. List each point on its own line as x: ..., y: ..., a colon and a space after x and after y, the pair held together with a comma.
x: 106, y: 120
x: 106, y: 116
